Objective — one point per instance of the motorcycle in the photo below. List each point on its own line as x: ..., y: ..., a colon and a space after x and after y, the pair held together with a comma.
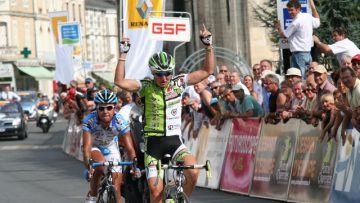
x: 45, y: 117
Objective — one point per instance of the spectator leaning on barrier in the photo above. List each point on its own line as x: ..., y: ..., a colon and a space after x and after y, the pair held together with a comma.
x: 299, y: 96
x: 232, y: 103
x: 342, y: 46
x: 350, y: 80
x: 341, y: 102
x: 293, y: 75
x: 249, y: 107
x: 304, y: 112
x: 209, y: 107
x: 322, y: 82
x: 323, y: 86
x: 299, y: 33
x: 271, y: 84
x: 355, y: 61
x: 284, y: 101
x: 249, y: 83
x: 196, y: 117
x: 331, y: 118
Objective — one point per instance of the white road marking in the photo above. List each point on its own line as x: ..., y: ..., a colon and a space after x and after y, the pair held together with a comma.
x: 29, y: 147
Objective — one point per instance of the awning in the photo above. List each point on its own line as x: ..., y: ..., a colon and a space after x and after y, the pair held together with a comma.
x: 106, y: 75
x: 38, y: 72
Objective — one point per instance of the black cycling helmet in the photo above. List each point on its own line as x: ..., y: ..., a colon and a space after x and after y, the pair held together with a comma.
x: 105, y: 97
x: 161, y: 61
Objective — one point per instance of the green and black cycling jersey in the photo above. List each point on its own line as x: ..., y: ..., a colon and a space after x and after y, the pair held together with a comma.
x: 162, y: 106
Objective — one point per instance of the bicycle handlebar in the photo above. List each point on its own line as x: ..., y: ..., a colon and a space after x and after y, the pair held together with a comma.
x: 112, y: 163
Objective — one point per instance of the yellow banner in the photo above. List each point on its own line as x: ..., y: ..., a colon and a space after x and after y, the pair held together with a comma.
x: 55, y: 18
x: 134, y: 18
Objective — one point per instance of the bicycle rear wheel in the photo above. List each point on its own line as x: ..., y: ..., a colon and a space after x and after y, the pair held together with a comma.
x: 182, y: 198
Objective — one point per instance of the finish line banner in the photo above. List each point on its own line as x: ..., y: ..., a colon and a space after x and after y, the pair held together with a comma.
x: 313, y: 166
x: 274, y: 158
x: 240, y: 156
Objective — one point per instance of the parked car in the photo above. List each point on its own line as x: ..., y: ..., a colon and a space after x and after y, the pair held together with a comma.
x: 12, y: 120
x: 28, y: 103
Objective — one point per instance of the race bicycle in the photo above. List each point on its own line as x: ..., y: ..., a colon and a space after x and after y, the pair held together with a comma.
x: 106, y: 191
x: 173, y: 189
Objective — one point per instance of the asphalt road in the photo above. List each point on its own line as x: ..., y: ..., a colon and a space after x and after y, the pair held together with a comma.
x: 36, y: 170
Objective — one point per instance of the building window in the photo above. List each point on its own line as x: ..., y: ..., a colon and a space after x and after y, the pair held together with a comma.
x: 26, y: 3
x: 3, y: 35
x: 14, y: 34
x: 27, y: 32
x: 80, y: 14
x: 74, y: 12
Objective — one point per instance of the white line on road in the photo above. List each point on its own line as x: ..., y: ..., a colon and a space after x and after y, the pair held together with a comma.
x: 29, y: 147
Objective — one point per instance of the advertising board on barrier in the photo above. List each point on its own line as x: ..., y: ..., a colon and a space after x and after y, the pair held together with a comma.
x: 240, y: 154
x: 274, y: 158
x: 313, y: 166
x: 347, y: 177
x: 213, y: 149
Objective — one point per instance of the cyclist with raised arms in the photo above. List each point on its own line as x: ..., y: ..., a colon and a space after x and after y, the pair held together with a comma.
x: 162, y: 110
x: 101, y: 130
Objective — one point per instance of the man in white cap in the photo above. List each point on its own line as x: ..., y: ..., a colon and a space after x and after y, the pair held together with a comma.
x: 322, y: 82
x: 293, y: 75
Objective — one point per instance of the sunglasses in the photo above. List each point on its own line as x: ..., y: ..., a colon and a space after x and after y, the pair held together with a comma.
x: 214, y: 88
x: 223, y: 71
x: 102, y: 108
x: 165, y: 73
x: 307, y: 90
x: 354, y: 63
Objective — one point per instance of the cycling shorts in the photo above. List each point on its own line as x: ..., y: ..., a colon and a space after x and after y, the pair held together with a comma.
x: 157, y: 147
x: 113, y: 155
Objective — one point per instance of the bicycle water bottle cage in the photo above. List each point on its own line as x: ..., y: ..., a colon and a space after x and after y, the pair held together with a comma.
x: 104, y: 150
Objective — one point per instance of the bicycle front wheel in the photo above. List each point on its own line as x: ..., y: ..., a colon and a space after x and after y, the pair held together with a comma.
x: 107, y: 196
x: 112, y: 196
x: 182, y: 198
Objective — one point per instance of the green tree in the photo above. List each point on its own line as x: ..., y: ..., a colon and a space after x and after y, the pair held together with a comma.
x: 333, y: 13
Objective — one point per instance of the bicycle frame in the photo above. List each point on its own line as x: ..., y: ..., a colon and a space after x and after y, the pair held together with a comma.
x: 106, y: 186
x: 179, y: 179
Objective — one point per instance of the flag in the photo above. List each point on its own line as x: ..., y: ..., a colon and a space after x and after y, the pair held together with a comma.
x: 64, y: 71
x: 136, y: 28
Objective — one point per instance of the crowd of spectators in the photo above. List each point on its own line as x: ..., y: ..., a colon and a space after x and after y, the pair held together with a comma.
x: 322, y: 97
x: 80, y: 100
